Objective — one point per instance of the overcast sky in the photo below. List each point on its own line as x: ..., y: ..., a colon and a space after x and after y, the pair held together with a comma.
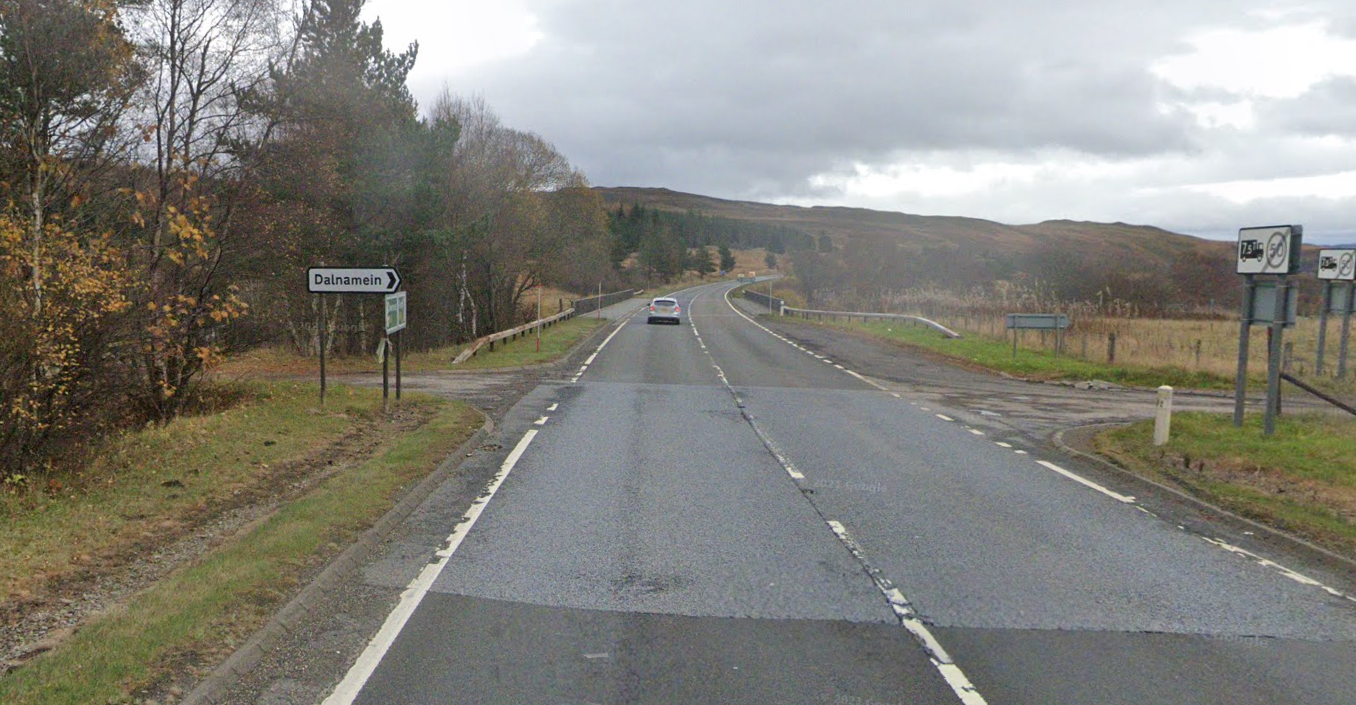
x: 1200, y: 116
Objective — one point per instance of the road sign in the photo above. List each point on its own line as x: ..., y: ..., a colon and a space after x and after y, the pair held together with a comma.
x: 1037, y: 321
x: 352, y: 280
x: 1264, y: 304
x: 1339, y: 299
x: 1337, y: 265
x: 1273, y: 249
x: 395, y: 311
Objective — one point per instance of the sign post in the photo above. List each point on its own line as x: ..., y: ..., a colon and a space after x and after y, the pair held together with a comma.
x: 1271, y: 251
x: 1348, y: 304
x: 1057, y: 322
x: 320, y: 332
x: 350, y: 280
x: 1336, y: 269
x: 397, y: 306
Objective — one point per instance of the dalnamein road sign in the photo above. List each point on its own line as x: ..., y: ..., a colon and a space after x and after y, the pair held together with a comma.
x: 1337, y: 265
x: 395, y: 311
x: 352, y: 280
x: 1270, y: 250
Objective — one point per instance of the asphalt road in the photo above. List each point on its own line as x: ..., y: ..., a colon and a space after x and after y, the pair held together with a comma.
x: 712, y: 512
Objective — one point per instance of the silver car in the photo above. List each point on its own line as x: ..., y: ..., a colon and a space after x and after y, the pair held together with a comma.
x: 665, y: 311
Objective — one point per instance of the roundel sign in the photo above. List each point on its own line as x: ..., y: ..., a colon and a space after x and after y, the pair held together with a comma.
x: 1337, y: 265
x: 1270, y: 250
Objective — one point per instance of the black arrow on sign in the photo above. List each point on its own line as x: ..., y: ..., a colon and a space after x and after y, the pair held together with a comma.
x: 392, y: 280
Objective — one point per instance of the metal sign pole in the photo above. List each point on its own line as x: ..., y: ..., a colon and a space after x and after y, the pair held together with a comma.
x: 539, y: 317
x: 1323, y: 327
x: 320, y: 332
x: 385, y: 371
x: 1274, y: 361
x: 399, y: 343
x: 1346, y: 330
x: 1244, y: 334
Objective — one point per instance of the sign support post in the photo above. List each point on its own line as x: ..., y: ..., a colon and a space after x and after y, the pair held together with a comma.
x: 1272, y: 250
x: 1336, y: 269
x: 1346, y: 332
x: 1274, y: 360
x: 1323, y: 327
x: 1244, y: 339
x: 395, y: 315
x: 320, y: 333
x: 385, y: 348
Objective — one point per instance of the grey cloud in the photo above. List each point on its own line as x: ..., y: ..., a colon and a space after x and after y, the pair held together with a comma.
x: 1328, y: 109
x: 780, y: 91
x: 750, y: 99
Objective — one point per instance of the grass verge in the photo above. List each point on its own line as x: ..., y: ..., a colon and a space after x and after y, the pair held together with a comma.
x: 1301, y: 480
x: 556, y: 342
x: 206, y: 608
x: 1029, y: 364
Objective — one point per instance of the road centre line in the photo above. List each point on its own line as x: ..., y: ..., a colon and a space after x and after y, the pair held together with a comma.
x: 414, y: 593
x: 1125, y: 499
x: 943, y: 417
x: 541, y: 421
x: 976, y: 431
x: 553, y: 407
x: 908, y: 618
x: 1084, y: 481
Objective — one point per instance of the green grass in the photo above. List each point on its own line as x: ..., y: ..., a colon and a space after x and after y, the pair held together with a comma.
x: 1302, y: 478
x: 1030, y: 364
x: 208, y: 607
x: 105, y: 508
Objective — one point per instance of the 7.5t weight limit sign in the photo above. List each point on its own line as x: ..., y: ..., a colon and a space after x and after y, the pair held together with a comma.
x: 1270, y: 250
x: 352, y: 280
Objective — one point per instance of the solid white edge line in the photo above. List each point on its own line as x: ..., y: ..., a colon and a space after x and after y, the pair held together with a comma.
x: 1268, y: 563
x: 371, y: 657
x: 1087, y: 482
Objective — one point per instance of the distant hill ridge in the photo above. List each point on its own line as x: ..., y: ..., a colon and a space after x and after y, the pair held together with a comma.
x: 1140, y: 245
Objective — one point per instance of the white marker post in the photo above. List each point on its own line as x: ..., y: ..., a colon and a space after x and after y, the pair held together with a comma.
x: 1163, y: 418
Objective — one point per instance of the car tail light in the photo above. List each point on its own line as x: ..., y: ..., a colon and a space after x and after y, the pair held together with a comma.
x: 651, y: 308
x: 677, y: 309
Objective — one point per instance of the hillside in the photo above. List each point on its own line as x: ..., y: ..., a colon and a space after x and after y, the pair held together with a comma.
x: 1144, y: 246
